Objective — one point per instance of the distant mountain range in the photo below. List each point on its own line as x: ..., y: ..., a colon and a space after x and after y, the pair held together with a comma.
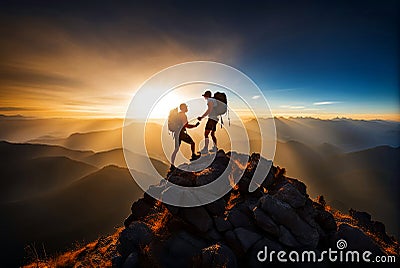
x: 39, y: 195
x: 352, y: 163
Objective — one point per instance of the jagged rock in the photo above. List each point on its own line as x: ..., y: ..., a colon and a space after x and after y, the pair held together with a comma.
x: 308, y: 213
x: 217, y: 207
x: 326, y: 220
x: 217, y: 255
x: 137, y: 235
x: 233, y: 242
x: 247, y: 205
x: 265, y: 222
x: 131, y: 218
x: 198, y: 217
x: 214, y: 235
x: 140, y: 209
x: 301, y: 187
x: 246, y: 237
x: 222, y: 224
x: 286, y: 238
x: 117, y: 261
x: 132, y: 261
x: 363, y: 218
x: 270, y: 179
x: 282, y: 213
x: 279, y: 216
x: 182, y: 180
x: 289, y: 194
x: 238, y: 218
x: 357, y: 239
x: 174, y: 210
x: 180, y: 250
x: 206, y: 176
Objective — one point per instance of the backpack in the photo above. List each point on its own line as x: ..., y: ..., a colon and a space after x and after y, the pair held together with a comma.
x: 222, y: 106
x: 174, y: 123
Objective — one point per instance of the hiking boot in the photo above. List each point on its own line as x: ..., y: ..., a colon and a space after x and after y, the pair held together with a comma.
x: 204, y: 151
x: 214, y: 149
x: 194, y: 157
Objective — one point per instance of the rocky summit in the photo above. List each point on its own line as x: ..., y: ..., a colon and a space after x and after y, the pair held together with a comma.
x: 232, y: 230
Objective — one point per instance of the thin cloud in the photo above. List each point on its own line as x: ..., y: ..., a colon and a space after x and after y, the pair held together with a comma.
x: 325, y: 102
x: 293, y: 106
x: 11, y: 109
x: 256, y: 97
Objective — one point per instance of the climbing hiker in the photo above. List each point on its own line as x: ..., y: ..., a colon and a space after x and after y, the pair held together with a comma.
x: 177, y: 124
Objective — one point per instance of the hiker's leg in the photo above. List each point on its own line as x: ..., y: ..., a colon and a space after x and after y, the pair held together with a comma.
x: 173, y: 156
x: 214, y: 138
x: 186, y: 138
x: 193, y: 147
x: 206, y: 139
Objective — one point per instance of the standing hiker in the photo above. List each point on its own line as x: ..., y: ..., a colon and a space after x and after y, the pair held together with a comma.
x: 216, y: 106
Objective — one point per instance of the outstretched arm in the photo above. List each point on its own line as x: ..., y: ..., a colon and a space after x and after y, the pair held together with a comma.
x: 186, y: 123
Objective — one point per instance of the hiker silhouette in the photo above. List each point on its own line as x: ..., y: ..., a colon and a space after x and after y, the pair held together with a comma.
x: 177, y: 124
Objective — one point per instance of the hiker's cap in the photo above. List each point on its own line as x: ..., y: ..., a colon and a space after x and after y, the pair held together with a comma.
x: 207, y: 94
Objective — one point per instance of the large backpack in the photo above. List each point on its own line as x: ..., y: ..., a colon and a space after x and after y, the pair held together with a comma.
x: 174, y: 122
x: 222, y: 102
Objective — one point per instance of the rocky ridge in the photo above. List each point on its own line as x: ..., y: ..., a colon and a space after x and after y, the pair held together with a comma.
x: 230, y: 231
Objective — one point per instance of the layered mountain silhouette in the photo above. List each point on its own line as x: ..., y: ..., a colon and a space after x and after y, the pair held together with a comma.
x: 353, y: 163
x: 231, y: 231
x: 55, y: 196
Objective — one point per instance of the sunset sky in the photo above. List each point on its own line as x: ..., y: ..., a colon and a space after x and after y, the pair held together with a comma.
x: 323, y: 59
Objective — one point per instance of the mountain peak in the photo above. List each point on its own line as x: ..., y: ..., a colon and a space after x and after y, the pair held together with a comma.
x: 232, y: 230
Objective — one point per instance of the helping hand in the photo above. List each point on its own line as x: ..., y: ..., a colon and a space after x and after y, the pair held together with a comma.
x: 197, y: 124
x: 199, y: 118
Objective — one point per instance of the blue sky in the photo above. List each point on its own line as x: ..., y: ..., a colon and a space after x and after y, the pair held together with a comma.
x: 74, y: 58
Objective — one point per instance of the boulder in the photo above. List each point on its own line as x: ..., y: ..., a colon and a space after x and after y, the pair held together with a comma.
x: 180, y: 249
x: 198, y: 217
x: 246, y: 237
x: 289, y: 194
x: 301, y: 187
x: 287, y: 239
x: 326, y: 221
x: 217, y: 255
x: 217, y: 207
x: 283, y: 214
x: 363, y: 218
x: 182, y: 180
x: 136, y: 236
x: 132, y: 261
x: 140, y: 209
x: 214, y: 235
x: 265, y: 222
x: 238, y: 218
x: 222, y: 224
x: 233, y: 242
